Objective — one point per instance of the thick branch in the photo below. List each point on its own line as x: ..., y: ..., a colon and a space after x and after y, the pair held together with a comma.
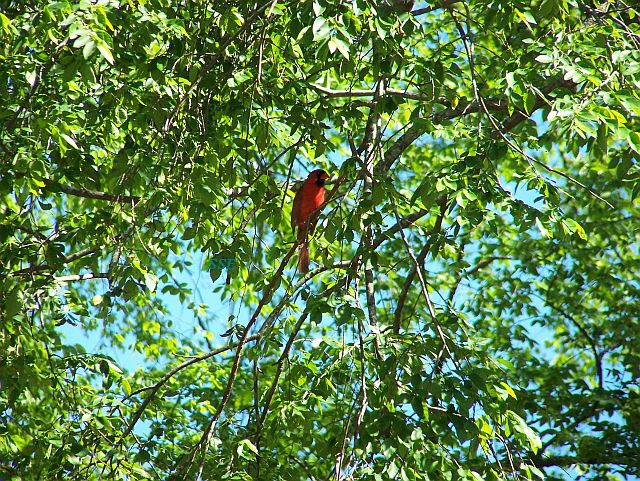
x: 371, y: 296
x: 464, y: 108
x: 370, y: 145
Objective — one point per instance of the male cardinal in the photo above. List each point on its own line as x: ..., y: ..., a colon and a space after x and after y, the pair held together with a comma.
x: 307, y: 200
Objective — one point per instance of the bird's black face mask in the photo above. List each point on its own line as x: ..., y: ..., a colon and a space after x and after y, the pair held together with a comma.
x: 322, y: 179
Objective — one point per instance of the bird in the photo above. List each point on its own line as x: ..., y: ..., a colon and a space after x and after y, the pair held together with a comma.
x: 305, y: 204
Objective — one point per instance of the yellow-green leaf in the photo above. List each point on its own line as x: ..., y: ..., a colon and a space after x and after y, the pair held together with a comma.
x: 106, y: 52
x: 634, y: 141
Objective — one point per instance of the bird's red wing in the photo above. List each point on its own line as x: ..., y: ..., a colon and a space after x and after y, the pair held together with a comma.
x: 295, y: 210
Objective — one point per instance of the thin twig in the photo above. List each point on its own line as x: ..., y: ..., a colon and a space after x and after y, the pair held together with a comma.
x: 420, y: 260
x: 283, y: 357
x: 91, y: 194
x: 46, y: 267
x: 499, y: 130
x: 425, y: 292
x: 590, y: 340
x: 363, y: 394
x: 435, y: 6
x: 372, y: 93
x: 82, y: 277
x: 205, y: 440
x: 163, y: 380
x: 213, y: 61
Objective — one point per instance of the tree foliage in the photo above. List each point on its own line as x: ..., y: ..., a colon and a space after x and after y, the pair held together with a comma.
x: 473, y: 310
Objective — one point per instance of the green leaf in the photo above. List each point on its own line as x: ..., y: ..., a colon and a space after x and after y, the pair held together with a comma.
x: 5, y: 23
x: 88, y: 49
x: 392, y: 470
x: 97, y: 300
x: 126, y: 386
x: 342, y: 47
x: 31, y: 77
x: 634, y: 141
x: 151, y: 281
x: 522, y: 427
x: 106, y: 52
x: 543, y: 230
x: 249, y: 445
x: 530, y: 99
x: 572, y: 226
x: 509, y: 390
x: 69, y: 140
x: 544, y: 58
x: 320, y: 29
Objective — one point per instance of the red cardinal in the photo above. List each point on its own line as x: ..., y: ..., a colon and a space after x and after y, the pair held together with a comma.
x: 307, y: 200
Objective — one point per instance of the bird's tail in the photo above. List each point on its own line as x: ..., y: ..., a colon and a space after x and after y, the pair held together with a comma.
x: 303, y: 257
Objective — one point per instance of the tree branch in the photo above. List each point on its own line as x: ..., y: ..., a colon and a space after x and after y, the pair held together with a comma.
x: 371, y: 93
x: 47, y: 267
x: 283, y: 357
x: 163, y: 380
x: 205, y: 440
x: 40, y: 73
x: 203, y: 357
x: 90, y: 194
x: 442, y: 201
x: 591, y: 459
x: 466, y: 273
x: 469, y: 107
x: 213, y: 61
x: 425, y: 291
x: 590, y: 340
x: 82, y: 277
x: 402, y: 299
x: 436, y: 6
